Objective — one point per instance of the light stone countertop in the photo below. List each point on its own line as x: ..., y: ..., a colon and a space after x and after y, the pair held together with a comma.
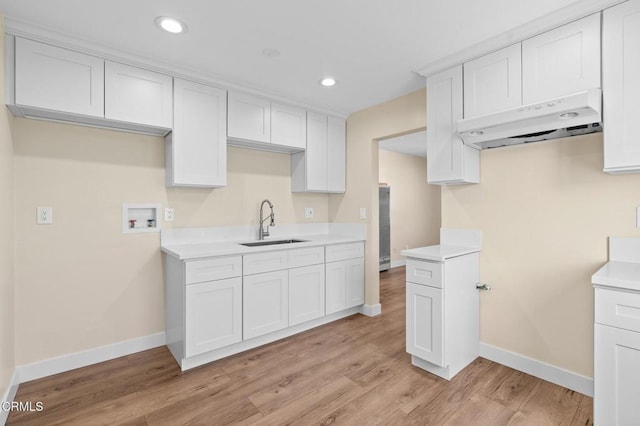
x: 438, y: 253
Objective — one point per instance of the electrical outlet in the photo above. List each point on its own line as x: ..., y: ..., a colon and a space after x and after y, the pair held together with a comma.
x: 308, y: 212
x: 168, y: 214
x: 44, y: 215
x: 363, y: 212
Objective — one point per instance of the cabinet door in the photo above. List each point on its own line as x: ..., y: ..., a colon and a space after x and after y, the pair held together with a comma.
x: 621, y: 86
x: 138, y: 96
x: 58, y: 79
x: 336, y: 287
x: 249, y: 117
x: 616, y: 376
x: 316, y: 154
x: 562, y: 61
x: 336, y: 154
x: 448, y: 159
x: 265, y: 303
x: 197, y: 153
x: 288, y: 126
x: 213, y: 315
x: 355, y: 282
x: 425, y: 324
x: 493, y: 82
x: 306, y: 294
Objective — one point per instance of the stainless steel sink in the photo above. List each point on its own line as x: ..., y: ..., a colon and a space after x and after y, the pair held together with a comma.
x: 270, y: 243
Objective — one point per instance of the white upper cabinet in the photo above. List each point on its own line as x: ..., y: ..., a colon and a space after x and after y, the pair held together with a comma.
x: 621, y: 87
x: 321, y: 168
x: 197, y: 147
x: 58, y: 79
x: 249, y: 117
x: 288, y: 126
x: 138, y: 96
x: 336, y: 154
x: 562, y: 61
x: 449, y: 161
x: 493, y: 82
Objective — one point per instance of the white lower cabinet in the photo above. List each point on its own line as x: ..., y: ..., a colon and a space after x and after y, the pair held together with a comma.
x: 442, y: 313
x: 213, y: 315
x: 306, y: 294
x: 616, y: 357
x: 265, y: 303
x: 344, y: 285
x: 425, y: 323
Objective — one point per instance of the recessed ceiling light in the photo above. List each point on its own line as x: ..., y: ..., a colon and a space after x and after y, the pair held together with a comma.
x: 568, y: 115
x: 328, y: 81
x: 170, y: 25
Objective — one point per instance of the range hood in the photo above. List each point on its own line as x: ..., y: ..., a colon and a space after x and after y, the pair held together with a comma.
x: 576, y: 114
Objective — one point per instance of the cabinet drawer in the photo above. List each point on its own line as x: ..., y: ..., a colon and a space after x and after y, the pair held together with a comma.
x: 344, y: 251
x: 199, y: 271
x: 424, y: 272
x: 306, y: 257
x: 265, y: 262
x: 618, y: 309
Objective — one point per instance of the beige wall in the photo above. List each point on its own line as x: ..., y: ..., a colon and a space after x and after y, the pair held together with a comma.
x: 7, y: 341
x: 546, y: 210
x: 80, y: 282
x: 393, y: 118
x: 414, y: 205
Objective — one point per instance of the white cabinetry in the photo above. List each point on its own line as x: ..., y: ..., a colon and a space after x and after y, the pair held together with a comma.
x: 321, y: 168
x: 204, y: 304
x: 288, y: 126
x: 621, y: 87
x: 213, y: 315
x: 493, y: 82
x: 442, y: 316
x: 249, y: 117
x: 197, y: 146
x: 265, y: 303
x: 616, y: 357
x: 344, y: 277
x: 58, y: 79
x: 138, y: 96
x: 449, y: 161
x: 306, y: 294
x: 562, y: 61
x: 257, y: 122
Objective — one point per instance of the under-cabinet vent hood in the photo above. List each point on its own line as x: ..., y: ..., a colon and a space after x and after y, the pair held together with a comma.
x: 576, y: 114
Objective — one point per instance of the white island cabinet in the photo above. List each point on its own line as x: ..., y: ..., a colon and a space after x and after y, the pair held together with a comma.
x: 442, y: 303
x: 617, y: 335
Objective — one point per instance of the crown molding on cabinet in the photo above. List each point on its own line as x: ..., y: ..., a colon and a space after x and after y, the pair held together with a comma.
x: 545, y: 23
x: 21, y: 28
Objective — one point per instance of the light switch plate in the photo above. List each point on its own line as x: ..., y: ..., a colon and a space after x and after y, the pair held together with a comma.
x: 363, y: 212
x: 308, y: 212
x: 638, y: 217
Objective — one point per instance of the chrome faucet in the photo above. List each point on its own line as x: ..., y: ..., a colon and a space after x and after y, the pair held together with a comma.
x: 261, y: 231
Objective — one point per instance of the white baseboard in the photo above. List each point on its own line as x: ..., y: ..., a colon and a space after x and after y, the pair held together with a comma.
x: 9, y: 395
x: 398, y: 263
x: 72, y: 361
x: 544, y: 371
x: 371, y: 310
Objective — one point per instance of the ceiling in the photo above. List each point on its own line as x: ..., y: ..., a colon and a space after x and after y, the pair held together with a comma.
x: 412, y: 144
x: 372, y: 47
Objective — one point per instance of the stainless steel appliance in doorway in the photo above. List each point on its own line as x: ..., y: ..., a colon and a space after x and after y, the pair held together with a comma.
x: 385, y: 228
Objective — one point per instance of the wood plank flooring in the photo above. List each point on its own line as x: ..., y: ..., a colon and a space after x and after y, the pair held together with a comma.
x: 354, y: 371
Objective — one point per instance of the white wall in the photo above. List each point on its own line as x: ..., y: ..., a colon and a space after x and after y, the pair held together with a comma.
x: 414, y: 205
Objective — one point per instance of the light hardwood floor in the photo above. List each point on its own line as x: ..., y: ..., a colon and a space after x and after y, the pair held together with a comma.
x: 354, y: 371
